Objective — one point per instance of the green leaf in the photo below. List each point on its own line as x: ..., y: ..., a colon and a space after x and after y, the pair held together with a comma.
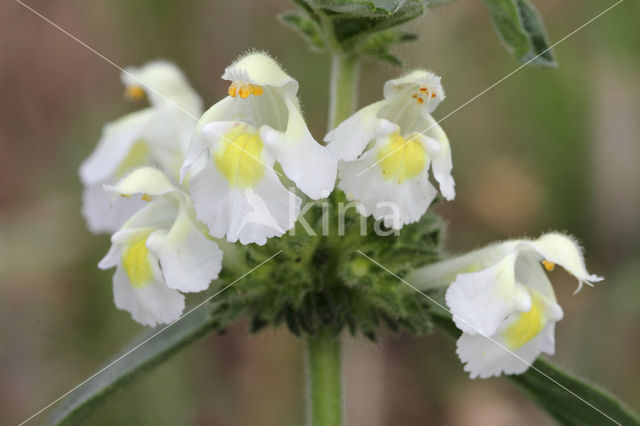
x: 534, y: 26
x: 590, y: 405
x: 93, y: 394
x: 365, y: 8
x: 306, y: 27
x: 305, y: 5
x: 520, y: 27
x: 351, y: 29
x: 566, y: 397
x: 380, y: 44
x: 348, y: 26
x: 434, y: 3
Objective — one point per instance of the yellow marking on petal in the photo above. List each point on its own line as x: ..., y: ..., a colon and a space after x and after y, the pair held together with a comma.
x: 527, y: 326
x: 238, y: 159
x: 138, y: 155
x: 146, y: 197
x: 433, y: 95
x: 125, y: 195
x: 134, y: 92
x: 420, y: 100
x: 401, y: 160
x: 424, y: 90
x: 136, y: 263
x: 549, y: 266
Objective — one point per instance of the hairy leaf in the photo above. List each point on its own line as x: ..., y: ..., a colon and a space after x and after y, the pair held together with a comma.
x: 379, y: 45
x: 572, y: 400
x: 434, y: 3
x: 351, y: 29
x: 521, y: 29
x: 306, y: 27
x: 366, y: 8
x: 568, y: 398
x: 140, y: 358
x: 345, y: 24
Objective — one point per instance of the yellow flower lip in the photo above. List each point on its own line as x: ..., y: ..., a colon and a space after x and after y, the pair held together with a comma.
x: 239, y: 157
x: 136, y: 262
x: 528, y: 325
x: 134, y: 92
x: 402, y: 159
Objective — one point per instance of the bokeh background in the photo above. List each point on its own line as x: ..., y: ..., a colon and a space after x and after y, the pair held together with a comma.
x: 546, y: 149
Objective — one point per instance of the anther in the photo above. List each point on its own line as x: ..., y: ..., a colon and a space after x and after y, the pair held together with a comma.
x: 256, y: 90
x: 244, y: 90
x: 233, y: 90
x: 134, y: 92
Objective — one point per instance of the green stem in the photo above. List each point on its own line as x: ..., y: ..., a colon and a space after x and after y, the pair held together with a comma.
x: 323, y: 358
x: 343, y: 87
x: 324, y: 380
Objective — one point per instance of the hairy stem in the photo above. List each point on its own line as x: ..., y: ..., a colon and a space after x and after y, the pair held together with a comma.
x: 323, y: 358
x: 324, y: 380
x: 343, y: 87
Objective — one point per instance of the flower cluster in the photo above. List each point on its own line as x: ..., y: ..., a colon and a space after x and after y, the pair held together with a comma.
x: 170, y: 183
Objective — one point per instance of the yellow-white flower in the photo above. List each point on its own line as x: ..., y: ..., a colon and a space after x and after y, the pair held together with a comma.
x: 503, y: 302
x: 236, y: 191
x: 387, y: 147
x: 154, y: 136
x: 160, y: 251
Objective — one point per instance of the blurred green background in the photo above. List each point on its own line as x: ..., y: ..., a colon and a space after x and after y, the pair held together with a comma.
x: 546, y: 149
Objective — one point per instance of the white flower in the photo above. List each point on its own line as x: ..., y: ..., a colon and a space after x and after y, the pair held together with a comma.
x: 387, y: 147
x: 160, y: 251
x: 155, y: 136
x: 503, y: 301
x: 230, y: 162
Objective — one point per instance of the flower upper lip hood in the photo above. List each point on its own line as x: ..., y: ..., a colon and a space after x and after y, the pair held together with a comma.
x: 157, y: 125
x: 420, y: 83
x: 163, y: 82
x: 565, y: 251
x: 259, y: 68
x: 145, y: 180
